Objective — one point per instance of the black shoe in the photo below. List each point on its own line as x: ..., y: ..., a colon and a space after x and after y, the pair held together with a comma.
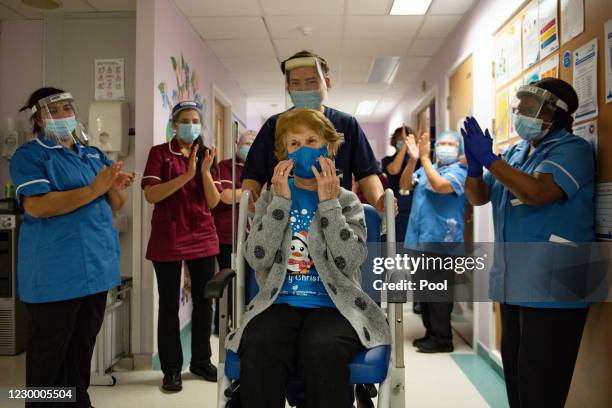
x: 207, y: 371
x: 172, y: 381
x: 433, y: 346
x: 418, y: 341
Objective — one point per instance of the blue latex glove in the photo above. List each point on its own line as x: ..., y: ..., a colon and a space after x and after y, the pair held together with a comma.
x: 481, y: 143
x: 474, y: 166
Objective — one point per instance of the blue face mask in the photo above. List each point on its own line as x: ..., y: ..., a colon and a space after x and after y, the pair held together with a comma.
x: 447, y: 154
x: 528, y: 128
x: 305, y: 157
x: 306, y: 99
x: 399, y: 145
x: 61, y: 128
x: 243, y: 152
x: 188, y: 132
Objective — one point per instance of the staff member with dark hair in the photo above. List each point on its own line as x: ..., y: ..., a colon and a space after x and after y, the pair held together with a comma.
x: 546, y: 178
x: 68, y: 246
x: 308, y: 82
x: 178, y: 180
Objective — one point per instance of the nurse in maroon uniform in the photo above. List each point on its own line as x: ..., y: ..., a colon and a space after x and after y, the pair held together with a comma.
x: 178, y: 181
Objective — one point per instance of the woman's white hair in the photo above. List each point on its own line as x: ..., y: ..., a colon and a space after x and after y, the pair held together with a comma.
x: 246, y: 136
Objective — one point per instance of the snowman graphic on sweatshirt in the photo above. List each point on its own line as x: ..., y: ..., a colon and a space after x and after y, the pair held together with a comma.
x: 303, y: 286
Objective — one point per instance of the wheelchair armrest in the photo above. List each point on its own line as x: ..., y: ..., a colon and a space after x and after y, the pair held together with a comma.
x: 215, y: 287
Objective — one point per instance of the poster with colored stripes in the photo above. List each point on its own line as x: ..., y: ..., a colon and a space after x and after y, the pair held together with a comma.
x: 549, y: 37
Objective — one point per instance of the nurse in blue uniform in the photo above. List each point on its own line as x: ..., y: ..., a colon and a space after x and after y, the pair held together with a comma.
x: 68, y: 248
x: 535, y: 189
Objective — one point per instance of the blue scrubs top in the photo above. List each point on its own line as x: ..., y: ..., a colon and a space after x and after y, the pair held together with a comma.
x: 525, y: 272
x: 437, y: 219
x: 355, y: 155
x: 66, y: 256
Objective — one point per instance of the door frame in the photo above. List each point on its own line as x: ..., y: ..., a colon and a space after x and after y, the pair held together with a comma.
x: 218, y: 94
x: 424, y: 102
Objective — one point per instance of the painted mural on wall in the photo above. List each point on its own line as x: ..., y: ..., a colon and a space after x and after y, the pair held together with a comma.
x: 187, y: 89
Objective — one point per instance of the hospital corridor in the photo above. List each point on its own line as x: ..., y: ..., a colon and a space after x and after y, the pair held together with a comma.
x: 306, y: 203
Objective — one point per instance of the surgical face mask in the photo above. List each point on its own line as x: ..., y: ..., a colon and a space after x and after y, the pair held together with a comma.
x: 188, y: 132
x: 399, y: 145
x: 447, y: 154
x: 305, y: 157
x: 61, y: 128
x: 306, y: 99
x: 243, y: 152
x: 528, y: 128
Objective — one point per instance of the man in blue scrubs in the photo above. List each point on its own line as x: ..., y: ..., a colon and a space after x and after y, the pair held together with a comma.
x: 541, y: 192
x: 308, y: 81
x: 68, y: 247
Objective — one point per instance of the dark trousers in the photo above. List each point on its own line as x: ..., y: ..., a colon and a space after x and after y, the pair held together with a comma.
x: 318, y: 343
x: 224, y: 259
x: 436, y: 305
x: 168, y: 326
x: 539, y: 349
x: 61, y: 344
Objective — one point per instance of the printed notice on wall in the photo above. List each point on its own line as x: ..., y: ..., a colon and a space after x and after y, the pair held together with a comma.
x: 531, y: 37
x: 572, y: 19
x: 608, y: 62
x: 585, y: 80
x: 549, y: 39
x: 603, y: 211
x: 550, y: 67
x: 110, y: 79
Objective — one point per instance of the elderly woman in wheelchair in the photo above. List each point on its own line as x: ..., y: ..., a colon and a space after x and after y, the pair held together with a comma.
x: 307, y: 243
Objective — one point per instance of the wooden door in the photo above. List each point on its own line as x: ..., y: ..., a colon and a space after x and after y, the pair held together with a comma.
x: 459, y: 105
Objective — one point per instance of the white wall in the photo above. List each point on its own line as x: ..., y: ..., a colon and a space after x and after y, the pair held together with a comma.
x: 473, y: 35
x: 71, y: 45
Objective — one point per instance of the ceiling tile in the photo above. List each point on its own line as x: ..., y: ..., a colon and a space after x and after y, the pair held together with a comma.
x: 450, y: 7
x: 387, y: 27
x: 368, y: 7
x: 405, y: 77
x: 256, y: 77
x: 356, y: 63
x: 374, y: 48
x: 301, y: 7
x: 230, y: 27
x: 438, y: 26
x: 68, y: 6
x: 290, y: 26
x: 354, y: 77
x: 259, y: 64
x: 425, y: 46
x: 413, y: 63
x: 320, y: 46
x: 113, y: 5
x: 201, y: 8
x: 241, y: 48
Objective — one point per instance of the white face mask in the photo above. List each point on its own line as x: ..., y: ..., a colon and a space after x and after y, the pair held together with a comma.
x: 447, y: 154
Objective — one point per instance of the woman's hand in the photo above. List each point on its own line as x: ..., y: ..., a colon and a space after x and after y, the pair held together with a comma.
x: 280, y: 179
x: 209, y: 157
x: 193, y: 160
x: 105, y: 179
x: 424, y: 146
x: 412, y: 146
x: 328, y: 183
x: 123, y: 180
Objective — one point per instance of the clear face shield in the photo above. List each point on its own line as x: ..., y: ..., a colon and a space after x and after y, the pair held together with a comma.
x: 59, y: 119
x: 305, y: 82
x: 527, y: 108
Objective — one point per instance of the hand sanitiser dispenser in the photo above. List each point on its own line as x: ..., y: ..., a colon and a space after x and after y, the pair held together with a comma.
x: 108, y: 127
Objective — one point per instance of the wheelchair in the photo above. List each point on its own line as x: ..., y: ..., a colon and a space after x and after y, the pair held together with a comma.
x: 382, y: 365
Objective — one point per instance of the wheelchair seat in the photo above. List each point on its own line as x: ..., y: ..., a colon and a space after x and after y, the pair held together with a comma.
x: 368, y: 367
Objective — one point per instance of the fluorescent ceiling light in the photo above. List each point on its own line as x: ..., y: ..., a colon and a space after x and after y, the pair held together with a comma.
x: 409, y: 7
x: 383, y: 70
x: 366, y: 107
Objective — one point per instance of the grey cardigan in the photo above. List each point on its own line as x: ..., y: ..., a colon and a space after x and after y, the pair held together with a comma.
x: 336, y: 242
